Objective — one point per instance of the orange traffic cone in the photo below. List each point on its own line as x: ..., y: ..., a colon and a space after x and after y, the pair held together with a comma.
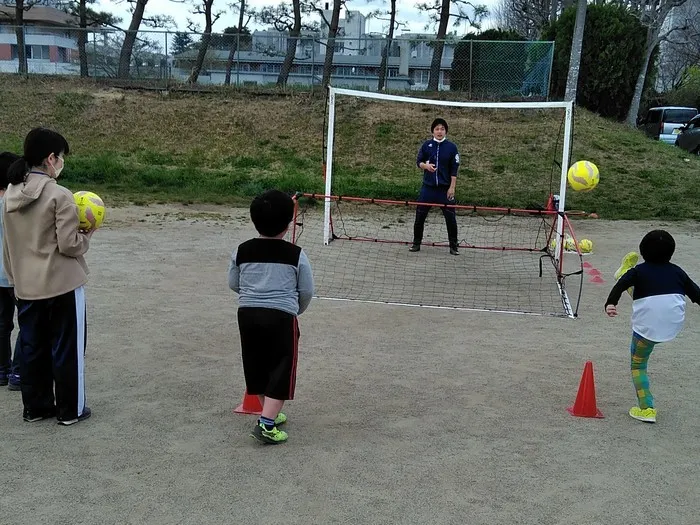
x: 585, y: 405
x: 250, y: 405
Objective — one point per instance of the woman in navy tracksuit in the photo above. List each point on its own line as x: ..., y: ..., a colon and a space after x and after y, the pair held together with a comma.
x: 439, y: 160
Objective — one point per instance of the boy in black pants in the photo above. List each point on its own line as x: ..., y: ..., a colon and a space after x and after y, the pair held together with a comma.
x: 9, y: 364
x: 274, y: 281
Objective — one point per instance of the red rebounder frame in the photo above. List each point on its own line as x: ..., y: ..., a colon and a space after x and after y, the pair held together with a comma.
x: 546, y: 218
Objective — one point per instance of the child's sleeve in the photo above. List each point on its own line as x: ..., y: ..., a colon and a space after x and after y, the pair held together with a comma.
x: 626, y: 281
x: 691, y: 289
x: 233, y: 273
x: 71, y: 242
x: 305, y: 282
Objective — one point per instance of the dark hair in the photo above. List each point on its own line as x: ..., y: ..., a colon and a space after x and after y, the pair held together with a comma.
x: 272, y: 212
x: 437, y: 122
x: 657, y: 246
x: 39, y: 144
x: 7, y: 159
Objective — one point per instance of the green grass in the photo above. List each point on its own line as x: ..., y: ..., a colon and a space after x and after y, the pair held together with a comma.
x: 227, y: 147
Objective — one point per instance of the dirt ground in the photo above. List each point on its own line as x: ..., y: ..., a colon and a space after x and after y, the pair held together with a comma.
x: 403, y: 415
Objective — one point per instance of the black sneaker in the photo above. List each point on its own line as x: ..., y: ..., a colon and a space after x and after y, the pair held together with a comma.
x: 454, y: 251
x: 39, y: 416
x: 414, y: 248
x: 3, y: 379
x: 82, y: 417
x: 14, y: 383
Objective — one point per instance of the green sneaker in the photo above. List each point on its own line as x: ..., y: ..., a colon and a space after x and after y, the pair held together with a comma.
x: 281, y: 419
x: 270, y: 437
x: 648, y: 415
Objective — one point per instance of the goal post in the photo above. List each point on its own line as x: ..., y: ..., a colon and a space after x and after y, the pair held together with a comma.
x: 335, y: 93
x: 510, y: 214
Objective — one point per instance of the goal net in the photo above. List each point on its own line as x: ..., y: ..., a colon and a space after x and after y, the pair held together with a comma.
x: 509, y: 211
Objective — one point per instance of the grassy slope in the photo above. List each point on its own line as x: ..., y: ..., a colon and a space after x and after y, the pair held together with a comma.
x: 221, y: 148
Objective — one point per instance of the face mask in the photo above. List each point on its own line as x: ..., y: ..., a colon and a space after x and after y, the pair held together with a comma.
x: 57, y: 171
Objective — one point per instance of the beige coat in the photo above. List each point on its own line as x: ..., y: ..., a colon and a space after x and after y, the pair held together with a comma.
x: 42, y: 247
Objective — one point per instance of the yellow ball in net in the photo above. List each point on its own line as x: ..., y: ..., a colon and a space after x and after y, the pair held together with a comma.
x: 583, y: 176
x: 585, y: 246
x: 91, y: 210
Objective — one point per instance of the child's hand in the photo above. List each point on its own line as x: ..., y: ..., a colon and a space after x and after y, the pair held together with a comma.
x: 87, y: 233
x: 430, y: 167
x: 611, y: 310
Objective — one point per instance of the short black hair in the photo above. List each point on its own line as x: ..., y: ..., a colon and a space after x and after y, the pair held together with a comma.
x: 272, y: 212
x: 7, y: 159
x: 437, y: 122
x: 657, y: 247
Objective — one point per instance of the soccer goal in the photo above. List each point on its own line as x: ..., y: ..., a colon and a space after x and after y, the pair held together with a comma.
x: 511, y: 193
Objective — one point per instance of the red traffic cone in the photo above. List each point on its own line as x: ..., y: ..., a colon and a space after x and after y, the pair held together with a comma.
x: 594, y: 271
x: 596, y: 279
x: 250, y: 405
x: 587, y: 265
x: 585, y: 405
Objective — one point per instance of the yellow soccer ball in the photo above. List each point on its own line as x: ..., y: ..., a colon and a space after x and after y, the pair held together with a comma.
x: 569, y: 244
x: 583, y: 176
x: 91, y: 210
x: 585, y: 245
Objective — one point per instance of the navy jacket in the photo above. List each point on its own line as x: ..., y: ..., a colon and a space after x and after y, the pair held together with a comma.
x: 658, y: 299
x: 444, y: 156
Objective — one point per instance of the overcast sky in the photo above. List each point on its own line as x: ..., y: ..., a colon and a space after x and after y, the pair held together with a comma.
x: 180, y: 11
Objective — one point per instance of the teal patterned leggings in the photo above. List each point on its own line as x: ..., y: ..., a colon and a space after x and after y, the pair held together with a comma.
x: 641, y: 350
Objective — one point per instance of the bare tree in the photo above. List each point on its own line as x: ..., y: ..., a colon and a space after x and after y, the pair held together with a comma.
x: 203, y: 7
x: 137, y: 8
x: 285, y: 18
x: 653, y: 14
x: 20, y: 6
x: 439, y: 13
x: 88, y: 17
x: 681, y: 50
x: 389, y: 16
x: 236, y: 37
x: 525, y: 17
x: 576, y: 47
x: 331, y: 26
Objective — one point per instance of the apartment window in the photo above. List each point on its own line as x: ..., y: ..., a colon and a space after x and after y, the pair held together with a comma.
x: 32, y: 52
x: 62, y: 54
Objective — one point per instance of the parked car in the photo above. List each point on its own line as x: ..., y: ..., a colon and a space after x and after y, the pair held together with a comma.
x: 664, y: 123
x: 689, y: 136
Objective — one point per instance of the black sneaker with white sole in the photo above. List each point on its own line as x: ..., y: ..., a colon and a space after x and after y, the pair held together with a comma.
x: 82, y: 417
x: 33, y: 417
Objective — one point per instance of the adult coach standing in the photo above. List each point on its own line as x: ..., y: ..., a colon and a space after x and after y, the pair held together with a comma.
x: 439, y: 160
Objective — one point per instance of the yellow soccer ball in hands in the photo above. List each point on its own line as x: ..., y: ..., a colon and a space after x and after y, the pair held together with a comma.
x: 91, y: 210
x: 583, y: 176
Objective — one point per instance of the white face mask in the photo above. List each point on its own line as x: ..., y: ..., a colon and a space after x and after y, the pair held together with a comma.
x: 57, y: 171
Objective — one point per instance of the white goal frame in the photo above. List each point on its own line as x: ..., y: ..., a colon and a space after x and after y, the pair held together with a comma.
x: 566, y: 145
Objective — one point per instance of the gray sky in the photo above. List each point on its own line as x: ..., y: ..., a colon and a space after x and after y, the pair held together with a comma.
x: 180, y: 11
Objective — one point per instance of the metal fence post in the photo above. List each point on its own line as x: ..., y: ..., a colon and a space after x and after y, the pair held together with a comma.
x: 167, y: 61
x: 238, y: 58
x: 549, y: 73
x: 471, y: 57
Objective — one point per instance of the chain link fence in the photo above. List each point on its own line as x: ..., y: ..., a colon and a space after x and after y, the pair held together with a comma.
x: 480, y: 70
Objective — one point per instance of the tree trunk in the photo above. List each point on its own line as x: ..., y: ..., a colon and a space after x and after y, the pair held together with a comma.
x: 234, y: 45
x: 292, y: 42
x: 436, y: 62
x: 204, y: 44
x: 130, y: 39
x: 330, y: 44
x: 576, y: 47
x: 554, y: 4
x: 652, y: 42
x: 385, y: 52
x: 82, y: 39
x: 19, y: 33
